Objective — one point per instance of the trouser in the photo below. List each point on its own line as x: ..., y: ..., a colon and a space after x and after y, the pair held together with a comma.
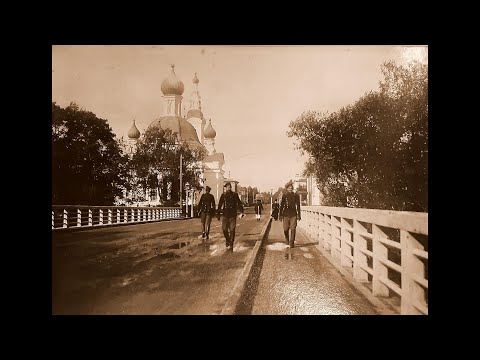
x: 228, y: 228
x: 290, y: 223
x: 206, y: 219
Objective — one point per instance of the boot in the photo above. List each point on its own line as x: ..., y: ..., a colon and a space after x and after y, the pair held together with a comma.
x: 292, y: 238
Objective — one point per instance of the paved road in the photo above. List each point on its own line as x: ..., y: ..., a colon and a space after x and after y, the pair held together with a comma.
x: 154, y: 268
x: 301, y: 281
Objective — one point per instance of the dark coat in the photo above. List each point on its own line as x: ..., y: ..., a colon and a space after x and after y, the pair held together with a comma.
x: 290, y: 205
x: 228, y: 204
x: 258, y: 208
x: 275, y: 209
x: 207, y: 204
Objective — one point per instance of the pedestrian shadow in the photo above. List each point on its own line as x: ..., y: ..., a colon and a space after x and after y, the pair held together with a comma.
x: 307, y: 244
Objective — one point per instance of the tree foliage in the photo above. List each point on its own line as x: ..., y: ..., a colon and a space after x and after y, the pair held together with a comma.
x: 156, y: 163
x: 87, y: 162
x: 374, y: 153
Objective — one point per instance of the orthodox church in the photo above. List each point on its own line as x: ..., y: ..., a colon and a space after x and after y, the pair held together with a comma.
x: 190, y: 127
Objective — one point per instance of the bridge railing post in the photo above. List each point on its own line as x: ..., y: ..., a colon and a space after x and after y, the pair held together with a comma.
x: 109, y: 216
x: 322, y: 235
x: 90, y: 217
x: 360, y: 262
x: 65, y: 218
x: 328, y: 232
x: 380, y: 271
x: 413, y: 294
x: 336, y: 242
x: 79, y: 217
x: 100, y: 216
x: 125, y: 215
x: 53, y: 219
x: 346, y: 243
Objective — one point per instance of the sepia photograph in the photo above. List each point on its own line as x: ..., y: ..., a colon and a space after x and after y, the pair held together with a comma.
x: 239, y: 180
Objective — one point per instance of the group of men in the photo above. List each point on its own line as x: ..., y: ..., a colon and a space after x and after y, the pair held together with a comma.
x: 229, y: 203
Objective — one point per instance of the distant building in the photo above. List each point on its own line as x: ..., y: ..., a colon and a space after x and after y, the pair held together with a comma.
x: 314, y: 196
x: 307, y: 188
x: 300, y: 186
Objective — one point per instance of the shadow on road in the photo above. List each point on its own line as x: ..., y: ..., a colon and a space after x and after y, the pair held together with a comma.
x: 247, y: 298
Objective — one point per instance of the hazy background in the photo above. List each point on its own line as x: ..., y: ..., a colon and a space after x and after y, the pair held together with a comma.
x: 251, y: 93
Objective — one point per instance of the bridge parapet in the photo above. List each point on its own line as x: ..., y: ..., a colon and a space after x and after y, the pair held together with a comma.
x: 385, y: 250
x: 76, y: 216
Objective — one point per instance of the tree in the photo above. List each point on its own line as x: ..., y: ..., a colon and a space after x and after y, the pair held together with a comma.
x: 87, y: 161
x: 372, y: 154
x: 156, y: 163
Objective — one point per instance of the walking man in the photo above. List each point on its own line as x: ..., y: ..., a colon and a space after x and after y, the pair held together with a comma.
x: 275, y: 209
x: 206, y: 209
x: 289, y: 214
x: 227, y: 206
x: 258, y: 209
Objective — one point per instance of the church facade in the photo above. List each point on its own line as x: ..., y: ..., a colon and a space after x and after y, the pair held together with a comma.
x: 187, y: 121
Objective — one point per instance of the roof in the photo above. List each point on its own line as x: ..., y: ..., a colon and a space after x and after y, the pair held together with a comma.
x: 177, y: 124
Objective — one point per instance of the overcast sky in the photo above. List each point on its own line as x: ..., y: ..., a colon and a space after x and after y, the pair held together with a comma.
x: 251, y: 93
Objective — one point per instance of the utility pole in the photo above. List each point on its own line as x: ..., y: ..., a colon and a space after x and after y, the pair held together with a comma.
x: 181, y: 186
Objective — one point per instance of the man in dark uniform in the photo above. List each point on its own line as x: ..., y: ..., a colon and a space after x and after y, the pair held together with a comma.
x: 206, y: 209
x: 227, y: 205
x: 275, y: 209
x: 290, y: 213
x: 258, y: 209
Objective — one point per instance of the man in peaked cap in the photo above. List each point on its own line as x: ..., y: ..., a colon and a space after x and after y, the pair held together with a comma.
x: 206, y: 209
x: 227, y: 206
x: 289, y: 214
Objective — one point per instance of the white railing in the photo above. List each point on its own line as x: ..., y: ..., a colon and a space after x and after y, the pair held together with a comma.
x: 69, y: 216
x: 385, y: 249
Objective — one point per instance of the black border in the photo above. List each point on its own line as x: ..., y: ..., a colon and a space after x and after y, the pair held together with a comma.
x: 37, y: 63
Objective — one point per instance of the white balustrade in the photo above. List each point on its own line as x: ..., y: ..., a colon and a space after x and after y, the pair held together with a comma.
x: 60, y: 215
x: 371, y: 235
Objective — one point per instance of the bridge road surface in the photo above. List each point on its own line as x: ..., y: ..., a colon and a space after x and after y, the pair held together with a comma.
x: 153, y: 268
x: 302, y: 281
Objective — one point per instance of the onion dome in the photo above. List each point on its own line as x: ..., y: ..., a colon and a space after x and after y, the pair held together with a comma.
x: 209, y: 132
x: 195, y: 79
x: 171, y: 85
x: 133, y: 133
x: 194, y: 113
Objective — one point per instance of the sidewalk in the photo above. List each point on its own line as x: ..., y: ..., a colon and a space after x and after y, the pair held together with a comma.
x: 154, y: 268
x: 302, y: 281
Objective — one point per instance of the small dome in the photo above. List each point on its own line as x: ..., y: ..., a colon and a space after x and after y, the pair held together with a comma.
x: 195, y: 79
x: 209, y: 132
x: 133, y: 133
x: 171, y: 85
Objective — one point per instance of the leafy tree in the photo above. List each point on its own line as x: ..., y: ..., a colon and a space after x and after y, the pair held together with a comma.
x: 87, y: 161
x: 156, y: 163
x: 372, y: 154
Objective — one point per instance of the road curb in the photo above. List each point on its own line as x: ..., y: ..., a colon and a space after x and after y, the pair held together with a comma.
x: 383, y: 307
x: 229, y: 308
